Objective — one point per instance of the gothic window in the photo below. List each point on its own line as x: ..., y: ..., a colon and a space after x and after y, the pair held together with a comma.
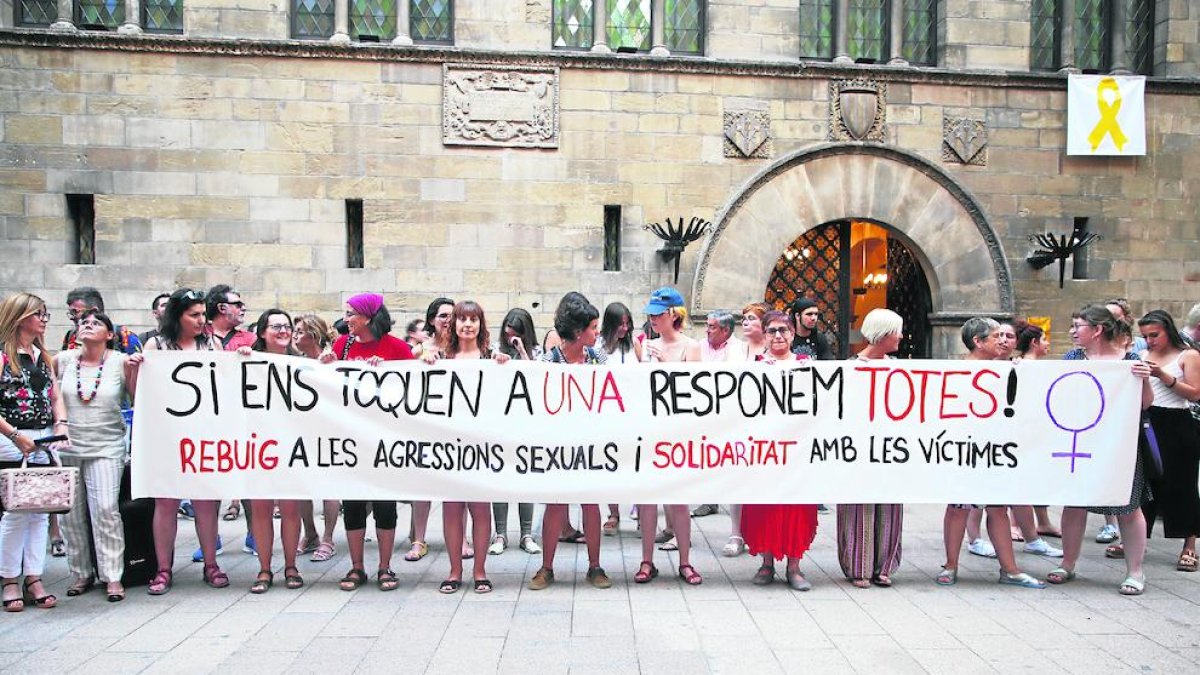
x: 1091, y: 34
x: 572, y: 24
x: 685, y: 26
x: 629, y: 24
x: 432, y: 21
x: 99, y: 14
x: 816, y: 29
x: 1094, y: 35
x: 919, y: 43
x: 1044, y: 36
x: 372, y: 20
x: 312, y: 18
x: 1139, y: 37
x: 866, y: 30
x: 36, y: 12
x: 162, y: 16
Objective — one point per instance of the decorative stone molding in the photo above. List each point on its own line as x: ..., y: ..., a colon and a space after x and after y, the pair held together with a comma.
x: 857, y: 110
x: 964, y: 141
x: 748, y: 134
x: 506, y: 106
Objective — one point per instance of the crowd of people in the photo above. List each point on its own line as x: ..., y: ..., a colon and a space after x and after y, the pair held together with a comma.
x: 84, y: 393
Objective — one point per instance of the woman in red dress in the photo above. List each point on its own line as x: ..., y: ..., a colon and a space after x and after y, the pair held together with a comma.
x: 778, y: 531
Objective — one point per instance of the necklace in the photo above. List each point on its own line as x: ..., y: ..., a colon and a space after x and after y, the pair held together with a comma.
x: 79, y: 379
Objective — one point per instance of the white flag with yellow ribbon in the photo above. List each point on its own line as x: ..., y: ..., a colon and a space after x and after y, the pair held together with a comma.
x: 1106, y: 115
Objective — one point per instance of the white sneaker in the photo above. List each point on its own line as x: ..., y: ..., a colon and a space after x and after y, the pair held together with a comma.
x: 982, y: 547
x: 1107, y: 534
x: 530, y: 546
x: 1040, y: 547
x: 499, y: 543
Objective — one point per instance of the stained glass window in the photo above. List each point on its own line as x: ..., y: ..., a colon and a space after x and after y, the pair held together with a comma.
x: 312, y: 18
x: 1045, y: 37
x: 685, y: 26
x: 629, y: 24
x: 372, y: 20
x: 1139, y: 37
x: 572, y: 24
x: 36, y: 12
x: 99, y: 14
x: 919, y: 45
x: 1091, y: 34
x: 162, y: 16
x: 866, y: 28
x: 431, y: 21
x: 816, y: 29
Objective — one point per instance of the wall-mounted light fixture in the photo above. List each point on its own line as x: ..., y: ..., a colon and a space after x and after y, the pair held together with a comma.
x: 1061, y: 247
x: 676, y: 237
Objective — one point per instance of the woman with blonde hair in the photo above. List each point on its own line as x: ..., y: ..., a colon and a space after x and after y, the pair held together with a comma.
x: 311, y: 335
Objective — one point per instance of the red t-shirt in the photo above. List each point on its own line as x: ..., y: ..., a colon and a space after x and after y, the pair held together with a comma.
x: 388, y: 348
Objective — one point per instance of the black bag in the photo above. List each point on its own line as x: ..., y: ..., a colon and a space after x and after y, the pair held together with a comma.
x: 138, y: 516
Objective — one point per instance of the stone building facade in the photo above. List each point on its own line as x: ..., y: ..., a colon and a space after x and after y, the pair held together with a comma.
x: 235, y: 153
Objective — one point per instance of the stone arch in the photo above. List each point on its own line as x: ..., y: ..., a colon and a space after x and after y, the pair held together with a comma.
x: 937, y: 217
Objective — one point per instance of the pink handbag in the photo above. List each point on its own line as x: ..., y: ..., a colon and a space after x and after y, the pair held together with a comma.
x: 38, y: 489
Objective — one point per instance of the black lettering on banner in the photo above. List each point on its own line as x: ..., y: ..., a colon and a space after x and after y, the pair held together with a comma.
x: 519, y: 382
x: 299, y: 454
x: 176, y: 376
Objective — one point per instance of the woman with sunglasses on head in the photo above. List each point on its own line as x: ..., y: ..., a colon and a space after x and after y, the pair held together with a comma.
x: 616, y: 339
x: 437, y: 338
x: 31, y: 407
x: 1175, y: 381
x: 182, y: 329
x: 518, y: 341
x: 469, y: 340
x: 778, y: 531
x: 311, y: 336
x: 273, y: 335
x: 96, y: 377
x: 369, y: 340
x: 1103, y: 337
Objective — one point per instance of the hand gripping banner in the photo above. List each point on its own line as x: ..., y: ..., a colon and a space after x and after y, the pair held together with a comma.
x: 225, y: 425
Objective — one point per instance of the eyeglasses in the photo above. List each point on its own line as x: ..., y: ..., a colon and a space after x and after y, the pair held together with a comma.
x: 239, y: 304
x: 280, y: 327
x: 778, y: 330
x: 43, y: 315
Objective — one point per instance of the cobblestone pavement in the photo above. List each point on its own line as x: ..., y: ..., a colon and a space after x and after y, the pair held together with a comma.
x: 726, y: 625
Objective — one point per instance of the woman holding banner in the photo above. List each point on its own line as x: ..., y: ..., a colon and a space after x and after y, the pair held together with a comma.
x: 1102, y: 337
x: 1175, y: 380
x: 518, y: 340
x: 182, y: 329
x: 575, y: 322
x: 311, y: 336
x: 273, y: 335
x: 616, y: 339
x: 987, y: 342
x: 667, y: 315
x: 869, y: 534
x: 437, y: 328
x: 369, y: 340
x: 469, y: 339
x: 778, y: 531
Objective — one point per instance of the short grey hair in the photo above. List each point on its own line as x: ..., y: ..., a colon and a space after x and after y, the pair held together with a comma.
x: 1193, y: 316
x: 723, y: 318
x: 880, y: 323
x: 977, y: 327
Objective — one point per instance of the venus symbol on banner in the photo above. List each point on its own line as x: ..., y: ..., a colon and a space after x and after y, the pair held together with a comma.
x: 1074, y: 409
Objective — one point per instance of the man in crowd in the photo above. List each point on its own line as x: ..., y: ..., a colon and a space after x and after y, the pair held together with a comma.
x: 225, y: 311
x: 80, y: 300
x: 156, y: 309
x: 809, y: 340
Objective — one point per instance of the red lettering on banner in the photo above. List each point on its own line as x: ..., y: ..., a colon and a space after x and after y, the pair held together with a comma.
x: 579, y: 391
x: 990, y: 395
x: 705, y: 454
x: 610, y: 393
x: 887, y: 400
x: 225, y: 456
x: 946, y: 396
x: 903, y: 391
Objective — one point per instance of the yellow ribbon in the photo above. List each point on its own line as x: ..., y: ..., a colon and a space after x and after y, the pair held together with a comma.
x: 1108, y: 126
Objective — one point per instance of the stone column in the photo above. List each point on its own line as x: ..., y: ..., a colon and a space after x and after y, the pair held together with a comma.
x: 600, y: 27
x: 1066, y: 58
x: 841, y: 36
x: 341, y: 22
x: 403, y: 23
x: 1116, y: 38
x: 133, y: 18
x: 658, y: 28
x: 896, y: 34
x: 66, y: 17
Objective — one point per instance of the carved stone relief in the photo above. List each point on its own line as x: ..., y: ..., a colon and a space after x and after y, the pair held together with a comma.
x: 506, y: 106
x: 964, y: 141
x: 857, y: 110
x: 748, y: 133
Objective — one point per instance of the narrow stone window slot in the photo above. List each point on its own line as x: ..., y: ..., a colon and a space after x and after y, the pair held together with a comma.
x: 612, y: 238
x: 354, y: 233
x: 82, y: 211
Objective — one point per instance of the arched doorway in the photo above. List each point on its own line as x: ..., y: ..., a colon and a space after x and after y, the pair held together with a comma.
x: 851, y: 267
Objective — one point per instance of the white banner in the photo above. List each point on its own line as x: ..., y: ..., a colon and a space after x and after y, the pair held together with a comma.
x: 1106, y: 115
x: 224, y: 425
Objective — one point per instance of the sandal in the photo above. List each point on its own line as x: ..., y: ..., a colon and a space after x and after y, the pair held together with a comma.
x: 354, y: 578
x: 690, y: 576
x: 419, y: 550
x: 797, y: 582
x: 530, y: 545
x: 46, y: 601
x: 860, y: 583
x: 646, y: 572
x: 1187, y: 562
x: 115, y: 591
x: 882, y: 581
x: 324, y: 552
x: 81, y: 586
x: 669, y: 545
x: 947, y: 577
x: 233, y: 512
x: 611, y: 527
x: 293, y: 580
x: 483, y: 586
x: 499, y: 543
x: 1116, y: 551
x: 385, y: 580
x: 58, y: 548
x: 1132, y: 586
x: 263, y: 582
x: 1021, y: 579
x: 213, y: 576
x: 765, y: 576
x: 161, y: 583
x: 734, y: 547
x: 575, y: 537
x: 16, y: 604
x: 1060, y: 575
x: 309, y: 545
x: 450, y: 586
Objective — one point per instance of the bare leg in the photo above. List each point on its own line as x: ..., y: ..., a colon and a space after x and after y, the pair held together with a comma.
x: 591, y: 533
x: 331, y: 508
x: 289, y: 528
x: 1045, y: 525
x: 648, y: 520
x: 420, y: 520
x: 354, y: 542
x: 954, y: 525
x: 453, y: 524
x: 683, y: 535
x: 1023, y: 517
x: 262, y: 526
x: 206, y: 527
x: 165, y: 527
x: 1074, y: 522
x: 481, y: 530
x: 387, y: 541
x: 552, y: 520
x: 1133, y: 535
x: 999, y: 528
x: 974, y: 524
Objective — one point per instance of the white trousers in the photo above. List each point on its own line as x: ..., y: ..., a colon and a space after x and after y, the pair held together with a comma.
x: 96, y: 495
x: 23, y: 543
